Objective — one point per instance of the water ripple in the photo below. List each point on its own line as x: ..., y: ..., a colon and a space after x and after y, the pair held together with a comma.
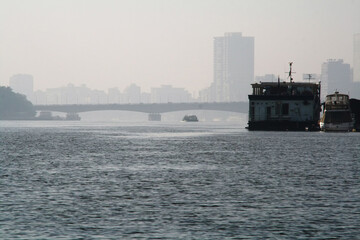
x: 177, y: 182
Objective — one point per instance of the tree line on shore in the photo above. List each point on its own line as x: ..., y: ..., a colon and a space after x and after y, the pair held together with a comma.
x: 15, y: 106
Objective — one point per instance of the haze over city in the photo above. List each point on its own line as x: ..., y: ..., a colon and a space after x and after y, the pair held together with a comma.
x: 110, y: 43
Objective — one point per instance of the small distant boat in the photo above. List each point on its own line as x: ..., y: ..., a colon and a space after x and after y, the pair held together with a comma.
x: 190, y: 118
x: 337, y: 113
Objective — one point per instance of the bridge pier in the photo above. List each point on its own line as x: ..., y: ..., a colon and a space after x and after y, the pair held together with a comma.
x: 154, y: 117
x: 72, y: 116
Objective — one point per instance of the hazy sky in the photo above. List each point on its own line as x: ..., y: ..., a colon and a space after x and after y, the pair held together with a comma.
x: 113, y: 43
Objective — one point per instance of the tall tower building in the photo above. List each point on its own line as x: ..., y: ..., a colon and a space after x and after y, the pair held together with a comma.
x: 336, y: 76
x: 24, y: 84
x: 233, y: 67
x: 356, y: 63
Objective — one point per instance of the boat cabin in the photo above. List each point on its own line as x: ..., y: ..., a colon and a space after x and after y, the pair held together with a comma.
x: 337, y: 101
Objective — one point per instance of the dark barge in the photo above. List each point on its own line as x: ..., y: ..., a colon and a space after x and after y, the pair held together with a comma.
x: 355, y: 111
x: 285, y: 106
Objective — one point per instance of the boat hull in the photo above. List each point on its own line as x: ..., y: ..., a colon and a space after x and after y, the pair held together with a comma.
x: 336, y: 127
x: 283, y: 126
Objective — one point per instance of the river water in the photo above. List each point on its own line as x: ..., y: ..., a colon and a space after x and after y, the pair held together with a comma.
x: 76, y: 180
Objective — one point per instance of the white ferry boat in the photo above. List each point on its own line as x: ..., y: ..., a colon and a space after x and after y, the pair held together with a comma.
x: 337, y: 113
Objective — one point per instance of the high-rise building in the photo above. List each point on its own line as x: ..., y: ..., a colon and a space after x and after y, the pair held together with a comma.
x: 336, y: 76
x: 356, y: 63
x: 23, y: 84
x: 233, y: 67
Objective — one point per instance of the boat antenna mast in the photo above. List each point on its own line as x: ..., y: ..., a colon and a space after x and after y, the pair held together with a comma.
x: 290, y: 72
x: 278, y: 81
x: 309, y: 77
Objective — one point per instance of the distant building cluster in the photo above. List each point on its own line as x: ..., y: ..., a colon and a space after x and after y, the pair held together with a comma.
x: 71, y: 94
x: 233, y: 72
x: 266, y: 78
x: 131, y: 95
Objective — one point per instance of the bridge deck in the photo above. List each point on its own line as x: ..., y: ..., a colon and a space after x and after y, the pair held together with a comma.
x: 240, y: 107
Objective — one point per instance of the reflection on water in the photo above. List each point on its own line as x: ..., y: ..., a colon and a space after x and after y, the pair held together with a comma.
x: 76, y: 180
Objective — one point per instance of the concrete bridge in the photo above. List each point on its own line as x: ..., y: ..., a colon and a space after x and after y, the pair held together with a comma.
x: 158, y: 108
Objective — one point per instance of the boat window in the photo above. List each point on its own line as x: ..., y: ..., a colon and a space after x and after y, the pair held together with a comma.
x: 252, y: 113
x: 268, y: 113
x: 277, y: 109
x: 285, y: 109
